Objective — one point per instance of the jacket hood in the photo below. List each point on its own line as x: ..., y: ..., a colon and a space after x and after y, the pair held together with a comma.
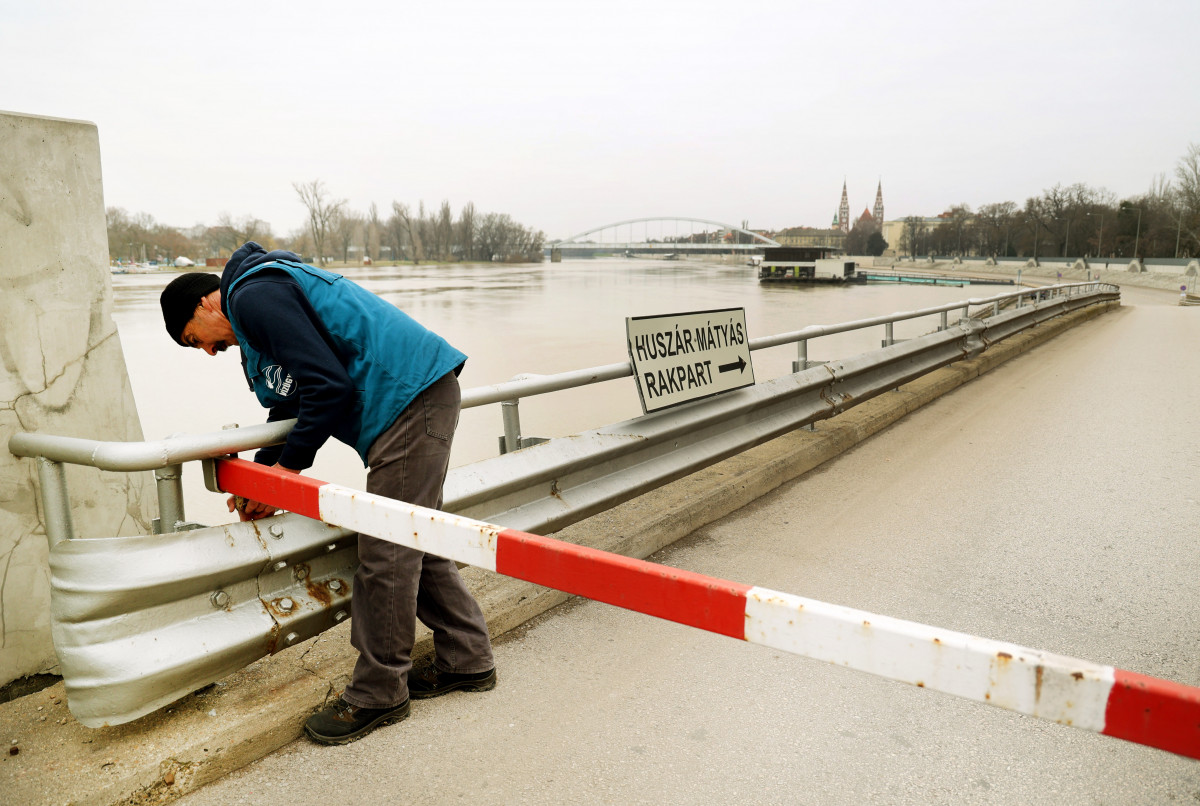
x: 248, y: 256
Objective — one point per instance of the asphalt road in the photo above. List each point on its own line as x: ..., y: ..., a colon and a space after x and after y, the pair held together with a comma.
x: 1052, y: 503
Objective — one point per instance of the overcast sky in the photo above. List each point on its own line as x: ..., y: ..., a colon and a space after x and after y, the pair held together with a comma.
x: 568, y: 115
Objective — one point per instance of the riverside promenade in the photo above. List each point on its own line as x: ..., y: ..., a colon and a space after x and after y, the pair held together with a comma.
x: 1053, y: 502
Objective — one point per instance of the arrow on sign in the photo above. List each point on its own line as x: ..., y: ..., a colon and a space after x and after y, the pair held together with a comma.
x: 739, y: 365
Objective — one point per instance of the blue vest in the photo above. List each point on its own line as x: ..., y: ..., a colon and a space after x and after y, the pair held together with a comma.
x: 389, y: 357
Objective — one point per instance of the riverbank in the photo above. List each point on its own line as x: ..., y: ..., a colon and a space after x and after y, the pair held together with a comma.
x: 1048, y: 272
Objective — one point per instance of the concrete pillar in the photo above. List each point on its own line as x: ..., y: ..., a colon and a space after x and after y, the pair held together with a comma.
x: 61, y: 366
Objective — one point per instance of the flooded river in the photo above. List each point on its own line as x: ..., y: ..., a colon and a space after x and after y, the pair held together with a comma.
x: 509, y: 319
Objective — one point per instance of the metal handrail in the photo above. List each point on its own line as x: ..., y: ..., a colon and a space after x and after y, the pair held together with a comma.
x: 151, y: 455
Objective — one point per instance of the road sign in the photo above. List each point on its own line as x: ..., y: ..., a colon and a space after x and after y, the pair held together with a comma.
x: 686, y: 356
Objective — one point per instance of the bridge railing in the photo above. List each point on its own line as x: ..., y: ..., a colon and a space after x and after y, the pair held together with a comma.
x: 142, y: 620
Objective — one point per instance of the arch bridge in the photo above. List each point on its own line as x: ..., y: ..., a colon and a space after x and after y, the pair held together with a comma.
x: 663, y: 235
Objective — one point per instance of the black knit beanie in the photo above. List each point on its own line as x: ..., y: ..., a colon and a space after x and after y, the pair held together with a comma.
x: 180, y: 298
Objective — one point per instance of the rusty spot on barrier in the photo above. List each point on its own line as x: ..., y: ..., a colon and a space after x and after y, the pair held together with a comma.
x: 1004, y: 656
x: 274, y: 609
x: 937, y: 641
x: 319, y: 591
x: 258, y: 535
x: 920, y: 684
x: 1078, y: 676
x: 866, y: 623
x: 273, y: 639
x: 1039, y: 673
x: 554, y: 490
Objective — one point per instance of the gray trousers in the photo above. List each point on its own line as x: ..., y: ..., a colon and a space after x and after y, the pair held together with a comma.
x: 394, y: 585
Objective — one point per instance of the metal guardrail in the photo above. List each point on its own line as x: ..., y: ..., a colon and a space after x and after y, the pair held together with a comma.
x: 140, y: 621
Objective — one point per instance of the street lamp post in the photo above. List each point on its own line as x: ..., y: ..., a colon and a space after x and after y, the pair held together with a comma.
x: 1137, y: 235
x: 1178, y: 230
x: 1100, y: 237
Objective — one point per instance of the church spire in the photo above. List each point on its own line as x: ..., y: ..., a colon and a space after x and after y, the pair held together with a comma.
x: 844, y: 210
x: 878, y: 211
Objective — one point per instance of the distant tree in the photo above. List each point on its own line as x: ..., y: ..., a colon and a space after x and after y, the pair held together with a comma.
x: 139, y: 237
x: 322, y: 212
x: 396, y: 229
x: 230, y: 233
x: 856, y: 239
x: 374, y: 232
x: 409, y: 227
x: 954, y: 235
x: 443, y: 232
x: 345, y: 227
x: 912, y: 237
x: 876, y: 245
x: 1187, y: 175
x: 994, y: 224
x: 465, y: 232
x: 425, y: 233
x: 300, y: 242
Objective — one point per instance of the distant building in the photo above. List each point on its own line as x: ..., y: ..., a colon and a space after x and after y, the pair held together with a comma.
x: 833, y: 238
x: 842, y: 219
x: 894, y: 232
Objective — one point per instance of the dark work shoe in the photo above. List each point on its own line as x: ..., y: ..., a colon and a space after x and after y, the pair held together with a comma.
x: 430, y: 681
x: 342, y: 722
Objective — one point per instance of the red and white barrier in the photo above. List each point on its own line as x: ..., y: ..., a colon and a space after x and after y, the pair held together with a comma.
x: 1104, y: 699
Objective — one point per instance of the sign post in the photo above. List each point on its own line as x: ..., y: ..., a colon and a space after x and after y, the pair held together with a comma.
x: 682, y: 357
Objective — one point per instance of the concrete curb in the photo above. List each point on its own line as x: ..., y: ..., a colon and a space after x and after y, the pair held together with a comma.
x: 217, y: 730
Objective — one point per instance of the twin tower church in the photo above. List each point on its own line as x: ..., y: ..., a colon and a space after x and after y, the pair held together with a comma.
x: 874, y: 218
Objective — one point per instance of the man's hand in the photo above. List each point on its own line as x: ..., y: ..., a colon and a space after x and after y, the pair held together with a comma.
x: 248, y: 510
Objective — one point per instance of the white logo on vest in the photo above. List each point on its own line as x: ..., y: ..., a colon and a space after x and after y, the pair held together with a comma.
x: 283, y: 387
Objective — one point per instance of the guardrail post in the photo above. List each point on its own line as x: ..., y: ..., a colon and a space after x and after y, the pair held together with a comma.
x: 945, y: 321
x: 56, y: 503
x: 966, y: 314
x: 801, y: 362
x: 169, y: 481
x: 512, y: 424
x: 887, y: 335
x: 996, y: 308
